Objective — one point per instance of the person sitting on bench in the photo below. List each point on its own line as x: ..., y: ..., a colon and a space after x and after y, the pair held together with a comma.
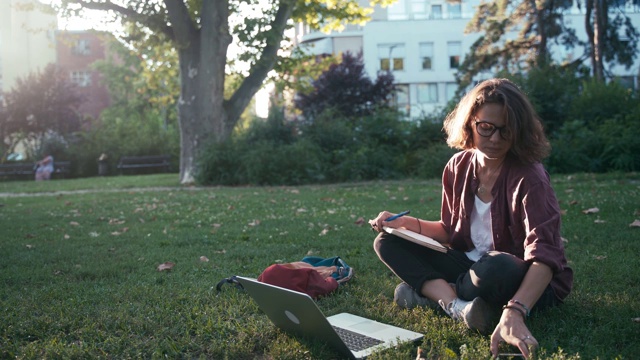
x: 44, y: 168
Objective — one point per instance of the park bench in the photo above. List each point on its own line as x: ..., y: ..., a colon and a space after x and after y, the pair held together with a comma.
x: 27, y: 170
x: 61, y: 168
x: 144, y: 164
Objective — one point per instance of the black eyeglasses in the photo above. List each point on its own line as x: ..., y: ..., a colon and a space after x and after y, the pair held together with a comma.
x: 487, y: 129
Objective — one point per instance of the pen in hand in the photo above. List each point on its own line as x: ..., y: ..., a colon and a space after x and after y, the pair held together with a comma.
x: 391, y: 218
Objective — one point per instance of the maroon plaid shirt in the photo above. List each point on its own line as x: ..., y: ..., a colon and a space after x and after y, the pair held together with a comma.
x: 525, y: 215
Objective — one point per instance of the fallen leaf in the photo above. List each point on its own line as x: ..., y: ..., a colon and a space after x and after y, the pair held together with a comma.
x: 599, y: 221
x: 116, y: 233
x: 573, y: 202
x: 591, y: 211
x: 223, y: 251
x: 635, y: 223
x: 599, y: 257
x: 30, y: 246
x: 254, y: 223
x: 636, y: 319
x: 66, y: 236
x: 564, y: 241
x: 166, y: 266
x: 73, y: 223
x: 360, y: 221
x: 204, y: 258
x: 324, y: 232
x: 94, y: 234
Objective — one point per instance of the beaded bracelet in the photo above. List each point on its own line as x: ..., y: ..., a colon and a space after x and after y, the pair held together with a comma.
x: 526, y: 309
x: 524, y: 316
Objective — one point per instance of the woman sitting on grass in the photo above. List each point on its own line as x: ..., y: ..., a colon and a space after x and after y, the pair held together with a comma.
x: 500, y: 218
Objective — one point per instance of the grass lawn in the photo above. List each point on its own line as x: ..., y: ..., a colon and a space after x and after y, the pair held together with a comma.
x: 78, y: 272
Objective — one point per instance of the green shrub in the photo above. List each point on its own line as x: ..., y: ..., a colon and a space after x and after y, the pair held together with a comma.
x: 332, y: 148
x: 119, y: 136
x: 574, y: 148
x: 432, y: 160
x: 598, y: 102
x: 551, y: 90
x: 621, y: 142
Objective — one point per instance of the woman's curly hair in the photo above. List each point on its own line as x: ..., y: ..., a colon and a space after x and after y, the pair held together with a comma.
x: 528, y: 141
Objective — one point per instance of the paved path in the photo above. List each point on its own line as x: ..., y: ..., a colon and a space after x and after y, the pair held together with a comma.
x: 92, y: 191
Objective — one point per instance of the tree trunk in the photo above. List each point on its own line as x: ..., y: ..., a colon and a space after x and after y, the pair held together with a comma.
x: 201, y: 112
x: 539, y: 16
x: 594, y: 25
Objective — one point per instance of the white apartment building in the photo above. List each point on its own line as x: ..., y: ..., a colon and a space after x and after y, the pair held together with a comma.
x: 423, y: 41
x: 27, y: 40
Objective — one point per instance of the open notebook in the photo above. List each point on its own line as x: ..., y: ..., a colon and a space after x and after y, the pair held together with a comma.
x: 297, y: 313
x: 416, y: 238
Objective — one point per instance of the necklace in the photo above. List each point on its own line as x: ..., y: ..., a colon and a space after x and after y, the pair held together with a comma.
x: 491, y: 177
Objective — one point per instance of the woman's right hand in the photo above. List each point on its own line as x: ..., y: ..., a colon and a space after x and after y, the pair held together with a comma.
x: 379, y: 222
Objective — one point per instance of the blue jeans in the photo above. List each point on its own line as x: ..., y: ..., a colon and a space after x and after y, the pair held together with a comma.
x: 495, y: 277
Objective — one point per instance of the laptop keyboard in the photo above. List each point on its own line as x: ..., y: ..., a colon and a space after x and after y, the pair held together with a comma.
x: 355, y: 341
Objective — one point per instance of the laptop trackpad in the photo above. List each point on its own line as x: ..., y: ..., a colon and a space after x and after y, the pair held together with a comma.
x: 369, y: 326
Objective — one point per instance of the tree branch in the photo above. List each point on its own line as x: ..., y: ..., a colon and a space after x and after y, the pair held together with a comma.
x: 183, y: 27
x: 251, y: 84
x: 155, y: 23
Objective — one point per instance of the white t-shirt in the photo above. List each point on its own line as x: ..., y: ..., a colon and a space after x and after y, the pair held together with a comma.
x: 481, y: 233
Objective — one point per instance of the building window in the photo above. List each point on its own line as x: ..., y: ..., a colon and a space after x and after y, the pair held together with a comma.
x: 426, y: 55
x: 401, y: 98
x: 419, y: 9
x: 428, y: 93
x: 450, y: 91
x: 82, y: 47
x: 391, y: 57
x: 436, y: 11
x: 454, y: 9
x: 397, y: 11
x: 81, y: 78
x: 454, y: 48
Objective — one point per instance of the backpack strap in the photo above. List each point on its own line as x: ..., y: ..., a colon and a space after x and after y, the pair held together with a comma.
x: 230, y: 280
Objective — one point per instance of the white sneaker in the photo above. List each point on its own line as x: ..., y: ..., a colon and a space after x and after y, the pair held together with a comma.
x: 476, y: 314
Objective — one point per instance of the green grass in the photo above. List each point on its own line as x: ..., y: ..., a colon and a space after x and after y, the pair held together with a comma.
x: 78, y: 271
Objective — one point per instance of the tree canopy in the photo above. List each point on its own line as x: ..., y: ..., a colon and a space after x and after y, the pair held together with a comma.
x: 517, y: 36
x: 347, y: 88
x: 40, y: 103
x: 201, y: 33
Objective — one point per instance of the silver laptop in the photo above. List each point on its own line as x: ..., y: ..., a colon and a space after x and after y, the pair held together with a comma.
x: 297, y: 313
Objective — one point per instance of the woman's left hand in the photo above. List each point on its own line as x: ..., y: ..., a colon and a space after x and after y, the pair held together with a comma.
x: 512, y: 330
